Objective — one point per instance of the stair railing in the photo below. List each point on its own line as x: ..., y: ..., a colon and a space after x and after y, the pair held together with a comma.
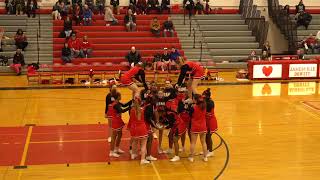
x: 194, y: 38
x: 190, y: 24
x: 201, y: 51
x: 38, y: 47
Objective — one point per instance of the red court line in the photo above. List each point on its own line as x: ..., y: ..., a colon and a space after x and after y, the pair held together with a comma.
x: 311, y: 105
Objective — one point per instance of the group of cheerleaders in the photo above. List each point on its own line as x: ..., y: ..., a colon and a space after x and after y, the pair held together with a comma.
x: 178, y: 108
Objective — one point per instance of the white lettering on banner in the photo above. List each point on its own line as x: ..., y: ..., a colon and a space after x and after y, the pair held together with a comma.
x: 301, y: 88
x: 266, y: 89
x: 303, y: 70
x: 267, y: 71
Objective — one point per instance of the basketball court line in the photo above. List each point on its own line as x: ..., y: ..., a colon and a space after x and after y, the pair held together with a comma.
x: 307, y: 103
x: 26, y: 147
x: 156, y: 171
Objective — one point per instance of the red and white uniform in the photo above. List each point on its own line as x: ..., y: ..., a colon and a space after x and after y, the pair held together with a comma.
x: 86, y: 45
x: 197, y: 71
x: 198, y: 120
x: 172, y: 105
x: 211, y: 121
x: 127, y: 77
x: 117, y: 122
x: 138, y: 127
x: 179, y: 126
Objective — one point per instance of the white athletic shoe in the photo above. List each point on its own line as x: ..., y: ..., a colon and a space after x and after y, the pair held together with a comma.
x: 133, y: 156
x: 190, y: 159
x: 210, y: 154
x: 205, y: 159
x: 109, y: 139
x: 168, y: 151
x: 182, y: 150
x: 144, y: 161
x: 119, y: 151
x: 114, y: 154
x: 175, y: 158
x: 150, y: 158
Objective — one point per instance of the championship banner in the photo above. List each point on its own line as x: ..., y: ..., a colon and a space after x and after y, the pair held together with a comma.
x: 266, y: 89
x: 267, y: 71
x: 303, y: 70
x: 301, y: 88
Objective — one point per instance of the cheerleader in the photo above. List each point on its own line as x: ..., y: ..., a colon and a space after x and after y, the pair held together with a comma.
x: 109, y: 100
x: 198, y: 126
x: 211, y: 121
x: 138, y: 131
x: 115, y: 110
x: 197, y: 73
x: 137, y: 72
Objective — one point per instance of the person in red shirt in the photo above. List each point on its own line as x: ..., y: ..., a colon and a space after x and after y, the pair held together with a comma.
x: 86, y: 47
x: 197, y: 74
x: 311, y: 42
x: 74, y: 44
x: 198, y: 126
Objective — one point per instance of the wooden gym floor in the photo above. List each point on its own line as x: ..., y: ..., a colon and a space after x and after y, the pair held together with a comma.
x: 271, y: 131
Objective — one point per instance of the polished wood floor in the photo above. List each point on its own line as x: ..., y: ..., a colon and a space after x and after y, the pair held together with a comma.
x: 269, y: 137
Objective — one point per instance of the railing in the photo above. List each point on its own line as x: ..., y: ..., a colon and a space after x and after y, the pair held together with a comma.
x: 38, y: 47
x: 257, y: 23
x: 281, y: 17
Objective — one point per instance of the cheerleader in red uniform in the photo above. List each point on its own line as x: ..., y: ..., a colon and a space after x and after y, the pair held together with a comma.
x: 138, y: 130
x: 115, y: 110
x: 211, y: 121
x: 198, y: 126
x: 137, y: 72
x: 109, y: 100
x: 197, y: 74
x: 159, y: 116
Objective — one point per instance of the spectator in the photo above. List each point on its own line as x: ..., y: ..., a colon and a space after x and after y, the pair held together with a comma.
x: 76, y: 13
x: 86, y: 47
x: 267, y: 49
x: 90, y: 4
x: 116, y: 5
x: 87, y: 15
x: 157, y: 62
x: 165, y: 6
x: 165, y: 58
x: 155, y: 27
x: 18, y: 62
x: 74, y: 45
x: 303, y: 19
x: 153, y: 5
x: 168, y: 27
x: 66, y: 54
x: 141, y: 7
x: 67, y: 28
x: 318, y: 36
x: 174, y: 54
x: 32, y: 6
x: 130, y: 21
x: 253, y: 56
x: 199, y: 7
x: 208, y: 9
x: 20, y: 6
x: 109, y: 17
x: 300, y: 53
x: 264, y: 55
x: 63, y: 10
x: 56, y: 11
x: 133, y: 57
x: 286, y: 9
x: 188, y: 5
x: 311, y: 43
x: 300, y: 7
x: 21, y: 40
x: 9, y: 6
x: 100, y: 5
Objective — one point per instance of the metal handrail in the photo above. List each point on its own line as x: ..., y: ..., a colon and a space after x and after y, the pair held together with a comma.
x: 201, y: 51
x: 38, y: 47
x: 194, y: 38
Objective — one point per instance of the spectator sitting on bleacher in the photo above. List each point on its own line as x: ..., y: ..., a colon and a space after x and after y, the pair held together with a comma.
x: 86, y: 47
x: 63, y: 10
x: 100, y: 6
x: 253, y: 56
x: 109, y: 17
x: 133, y: 57
x: 66, y: 54
x: 74, y: 45
x: 165, y: 57
x: 311, y: 43
x: 20, y: 40
x: 155, y: 27
x: 20, y: 6
x: 130, y: 21
x: 168, y: 27
x: 32, y: 6
x: 165, y: 6
x: 174, y: 54
x: 67, y: 28
x: 90, y: 4
x: 264, y: 56
x: 18, y: 62
x: 267, y: 48
x: 9, y: 6
x: 300, y: 54
x: 153, y: 5
x: 300, y: 7
x: 116, y: 5
x: 141, y: 6
x: 199, y: 7
x: 87, y: 15
x: 76, y: 14
x: 303, y: 19
x: 157, y: 62
x: 56, y: 11
x: 188, y: 5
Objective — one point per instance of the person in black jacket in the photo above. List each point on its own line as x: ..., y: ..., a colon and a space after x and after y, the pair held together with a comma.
x: 130, y: 21
x: 18, y: 62
x: 303, y: 19
x: 153, y: 5
x: 32, y: 6
x: 168, y: 27
x: 67, y: 28
x: 66, y: 54
x: 189, y: 6
x: 165, y: 6
x: 300, y: 7
x: 116, y: 5
x: 133, y: 57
